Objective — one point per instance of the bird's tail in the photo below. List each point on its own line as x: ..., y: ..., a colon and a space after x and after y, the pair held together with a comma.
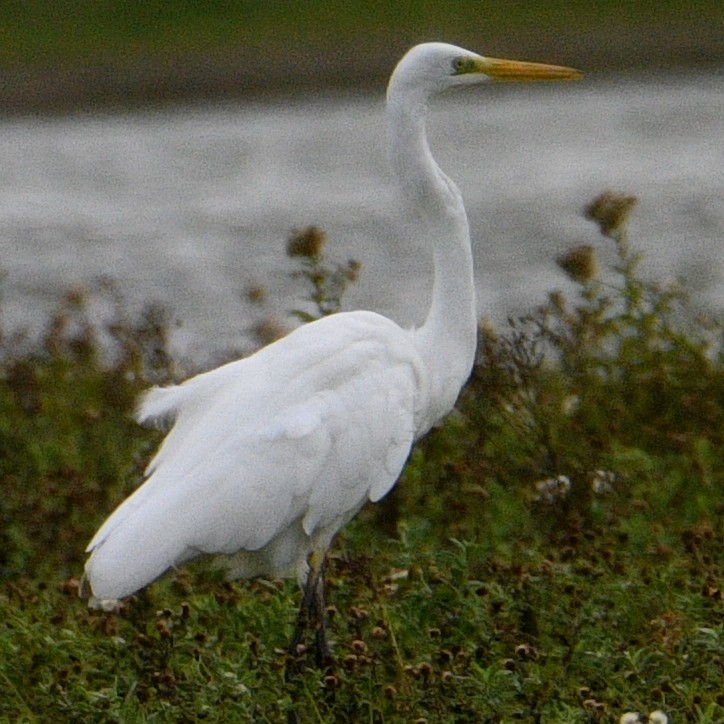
x: 159, y: 405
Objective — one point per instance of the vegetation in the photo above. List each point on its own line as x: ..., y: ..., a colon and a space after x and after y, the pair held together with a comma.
x: 79, y: 56
x: 36, y: 34
x: 553, y: 553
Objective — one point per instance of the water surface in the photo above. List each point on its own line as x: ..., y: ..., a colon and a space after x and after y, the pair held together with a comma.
x: 190, y: 206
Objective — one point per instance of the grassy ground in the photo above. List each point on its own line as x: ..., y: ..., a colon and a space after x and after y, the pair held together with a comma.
x: 72, y: 53
x: 553, y: 553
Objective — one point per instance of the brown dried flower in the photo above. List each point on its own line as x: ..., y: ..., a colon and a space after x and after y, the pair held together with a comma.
x: 306, y: 242
x: 256, y: 293
x: 579, y: 263
x: 269, y: 330
x: 610, y: 211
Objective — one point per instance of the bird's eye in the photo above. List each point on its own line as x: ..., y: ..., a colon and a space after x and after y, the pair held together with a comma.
x: 461, y: 65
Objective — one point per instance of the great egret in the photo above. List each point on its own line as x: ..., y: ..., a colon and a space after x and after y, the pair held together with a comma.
x: 269, y: 456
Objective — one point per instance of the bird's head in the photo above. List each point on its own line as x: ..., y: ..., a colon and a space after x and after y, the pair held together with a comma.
x: 431, y: 68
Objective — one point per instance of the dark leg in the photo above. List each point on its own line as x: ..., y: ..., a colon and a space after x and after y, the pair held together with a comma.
x: 323, y: 657
x: 312, y: 613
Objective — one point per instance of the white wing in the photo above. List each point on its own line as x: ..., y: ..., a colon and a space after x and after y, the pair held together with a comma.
x: 300, y: 434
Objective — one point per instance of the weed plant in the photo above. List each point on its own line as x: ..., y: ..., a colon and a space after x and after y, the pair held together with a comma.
x: 552, y: 554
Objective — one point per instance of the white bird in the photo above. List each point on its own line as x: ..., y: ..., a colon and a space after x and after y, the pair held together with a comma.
x: 270, y: 456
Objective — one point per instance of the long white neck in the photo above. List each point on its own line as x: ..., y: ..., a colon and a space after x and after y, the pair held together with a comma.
x: 446, y: 341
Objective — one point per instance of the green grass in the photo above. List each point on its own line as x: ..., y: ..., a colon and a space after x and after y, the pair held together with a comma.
x: 36, y: 33
x: 476, y: 592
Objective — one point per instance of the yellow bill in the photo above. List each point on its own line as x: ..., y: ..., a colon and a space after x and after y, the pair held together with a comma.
x: 520, y: 70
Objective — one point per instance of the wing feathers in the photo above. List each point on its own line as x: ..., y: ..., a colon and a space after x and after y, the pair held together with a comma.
x: 306, y: 430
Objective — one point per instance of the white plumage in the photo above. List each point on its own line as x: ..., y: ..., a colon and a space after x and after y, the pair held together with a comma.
x: 268, y: 457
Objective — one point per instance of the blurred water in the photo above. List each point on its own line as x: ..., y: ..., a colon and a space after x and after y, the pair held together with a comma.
x: 190, y: 206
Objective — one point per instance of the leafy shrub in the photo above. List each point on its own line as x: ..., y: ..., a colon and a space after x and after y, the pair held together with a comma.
x: 68, y: 446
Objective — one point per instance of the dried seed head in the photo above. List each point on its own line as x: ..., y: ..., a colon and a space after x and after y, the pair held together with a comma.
x: 360, y: 614
x: 350, y: 661
x: 610, y: 211
x: 331, y: 681
x: 461, y: 657
x: 256, y: 293
x: 307, y: 242
x: 526, y: 651
x: 76, y: 297
x: 711, y: 591
x: 269, y: 330
x: 378, y: 632
x: 351, y: 271
x: 579, y: 263
x: 359, y: 647
x: 425, y: 669
x: 557, y: 301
